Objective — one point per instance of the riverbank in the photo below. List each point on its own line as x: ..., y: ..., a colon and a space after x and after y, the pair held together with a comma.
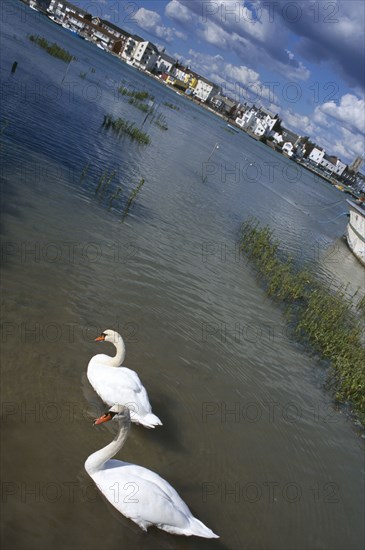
x: 331, y: 322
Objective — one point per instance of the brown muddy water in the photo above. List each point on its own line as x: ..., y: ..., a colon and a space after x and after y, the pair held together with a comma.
x: 250, y: 437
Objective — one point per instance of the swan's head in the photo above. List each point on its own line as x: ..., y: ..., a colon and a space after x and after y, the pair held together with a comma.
x: 109, y: 336
x: 118, y: 413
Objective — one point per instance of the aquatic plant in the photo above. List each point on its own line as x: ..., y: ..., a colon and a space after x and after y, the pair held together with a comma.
x: 52, y: 48
x: 101, y: 181
x: 120, y: 125
x: 323, y: 318
x: 84, y: 171
x: 139, y: 105
x: 171, y: 106
x: 108, y: 181
x: 4, y: 125
x: 114, y: 197
x: 160, y: 121
x: 104, y: 182
x: 132, y: 198
x: 122, y: 90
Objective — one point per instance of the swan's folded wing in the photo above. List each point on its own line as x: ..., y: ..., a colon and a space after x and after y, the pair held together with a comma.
x: 143, y: 496
x: 119, y: 385
x: 164, y: 486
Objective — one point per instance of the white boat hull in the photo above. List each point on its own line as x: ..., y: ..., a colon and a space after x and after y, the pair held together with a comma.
x: 356, y: 231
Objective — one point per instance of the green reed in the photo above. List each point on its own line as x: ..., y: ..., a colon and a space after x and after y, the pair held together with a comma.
x: 324, y: 318
x: 122, y: 126
x: 141, y: 95
x: 52, y: 48
x: 139, y: 105
x: 132, y: 198
x: 171, y: 106
x: 114, y: 197
x: 84, y: 172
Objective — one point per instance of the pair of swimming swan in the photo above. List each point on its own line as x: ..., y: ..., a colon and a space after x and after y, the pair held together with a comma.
x: 138, y: 493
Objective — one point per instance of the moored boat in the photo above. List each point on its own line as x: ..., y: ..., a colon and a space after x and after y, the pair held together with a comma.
x: 356, y: 230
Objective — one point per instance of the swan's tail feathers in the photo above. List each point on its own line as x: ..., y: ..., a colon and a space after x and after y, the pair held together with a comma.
x: 200, y: 530
x: 150, y: 420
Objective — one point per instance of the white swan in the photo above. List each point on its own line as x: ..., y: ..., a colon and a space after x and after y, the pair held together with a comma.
x: 138, y: 493
x: 118, y: 385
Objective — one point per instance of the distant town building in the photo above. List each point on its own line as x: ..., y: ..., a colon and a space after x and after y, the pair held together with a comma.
x: 224, y: 104
x: 205, y: 89
x: 333, y: 165
x: 145, y: 55
x: 140, y: 52
x: 165, y: 63
x: 257, y: 120
x: 356, y: 164
x: 316, y: 155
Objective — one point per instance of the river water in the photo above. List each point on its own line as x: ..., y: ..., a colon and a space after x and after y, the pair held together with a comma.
x: 250, y: 437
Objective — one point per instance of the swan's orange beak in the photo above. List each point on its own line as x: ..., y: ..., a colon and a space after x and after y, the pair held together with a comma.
x: 100, y: 338
x: 104, y: 418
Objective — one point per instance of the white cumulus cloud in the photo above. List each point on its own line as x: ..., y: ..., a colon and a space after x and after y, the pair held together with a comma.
x: 350, y: 113
x: 151, y: 22
x: 178, y: 12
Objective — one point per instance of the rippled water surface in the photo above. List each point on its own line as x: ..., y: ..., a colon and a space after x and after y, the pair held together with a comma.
x: 250, y: 438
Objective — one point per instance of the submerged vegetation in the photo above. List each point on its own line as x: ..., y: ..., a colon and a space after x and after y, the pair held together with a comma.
x: 323, y: 318
x: 160, y: 121
x: 122, y: 126
x: 139, y: 104
x: 141, y: 95
x: 104, y: 181
x: 52, y: 48
x: 132, y: 198
x: 103, y: 189
x: 171, y: 106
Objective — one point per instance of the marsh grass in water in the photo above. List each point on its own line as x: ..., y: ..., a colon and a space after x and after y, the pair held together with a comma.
x: 104, y: 181
x: 114, y: 197
x: 171, y: 106
x: 122, y: 126
x: 102, y: 186
x: 84, y: 172
x: 3, y: 126
x: 132, y: 198
x: 160, y: 121
x: 141, y: 95
x: 323, y: 318
x: 139, y: 105
x: 52, y: 48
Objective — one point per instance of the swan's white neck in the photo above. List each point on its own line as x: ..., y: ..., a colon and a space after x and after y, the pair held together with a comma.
x: 96, y: 461
x: 118, y: 359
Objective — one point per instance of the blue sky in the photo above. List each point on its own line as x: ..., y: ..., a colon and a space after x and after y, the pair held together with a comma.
x: 303, y: 59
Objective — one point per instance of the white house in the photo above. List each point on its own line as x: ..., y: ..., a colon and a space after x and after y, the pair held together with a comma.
x: 247, y: 118
x: 340, y: 167
x: 288, y: 148
x: 316, y: 155
x: 181, y: 73
x: 265, y: 121
x: 278, y: 138
x: 258, y: 120
x: 145, y: 55
x: 130, y: 46
x: 61, y: 10
x: 165, y: 63
x: 333, y: 165
x: 205, y: 89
